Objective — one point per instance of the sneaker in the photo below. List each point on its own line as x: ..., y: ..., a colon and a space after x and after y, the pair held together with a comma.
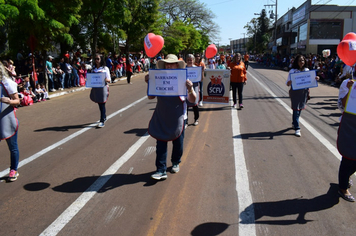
x: 13, y: 175
x: 241, y: 106
x: 196, y: 123
x: 101, y: 125
x: 297, y: 133
x: 175, y: 168
x: 159, y: 175
x: 61, y: 89
x: 53, y: 90
x: 200, y: 103
x: 43, y: 100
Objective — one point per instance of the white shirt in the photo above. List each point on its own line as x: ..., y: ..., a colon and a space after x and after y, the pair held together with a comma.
x: 105, y: 70
x: 10, y: 86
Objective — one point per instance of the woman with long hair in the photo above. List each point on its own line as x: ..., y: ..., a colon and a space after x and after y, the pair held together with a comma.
x: 100, y: 95
x: 237, y: 78
x: 298, y: 97
x: 8, y: 122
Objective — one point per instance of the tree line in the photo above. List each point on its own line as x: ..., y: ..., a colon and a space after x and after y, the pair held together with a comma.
x: 99, y: 25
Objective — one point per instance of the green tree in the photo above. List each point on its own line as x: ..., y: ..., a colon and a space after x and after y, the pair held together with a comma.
x: 140, y: 17
x: 263, y: 34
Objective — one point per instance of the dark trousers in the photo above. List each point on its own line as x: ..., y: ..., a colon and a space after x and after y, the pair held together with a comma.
x: 246, y: 64
x: 347, y: 168
x: 239, y: 87
x: 128, y: 75
x: 196, y: 112
x: 102, y: 109
x: 161, y: 152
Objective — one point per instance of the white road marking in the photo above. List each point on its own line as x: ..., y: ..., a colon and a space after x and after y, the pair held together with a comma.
x: 313, y: 131
x: 242, y: 182
x: 70, y: 137
x: 80, y: 202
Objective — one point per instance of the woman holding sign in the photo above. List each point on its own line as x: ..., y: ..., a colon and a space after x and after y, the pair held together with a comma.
x: 298, y: 97
x: 168, y: 120
x: 346, y: 143
x: 100, y: 95
x: 8, y: 122
x: 190, y: 63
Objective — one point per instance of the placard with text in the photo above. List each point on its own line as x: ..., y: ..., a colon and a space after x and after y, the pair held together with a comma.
x: 95, y: 80
x: 302, y: 80
x: 167, y: 82
x: 194, y: 73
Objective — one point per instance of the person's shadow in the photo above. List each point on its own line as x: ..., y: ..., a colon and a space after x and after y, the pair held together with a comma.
x: 299, y: 206
x: 103, y: 183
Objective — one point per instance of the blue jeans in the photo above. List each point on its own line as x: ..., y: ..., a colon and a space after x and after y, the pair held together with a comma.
x: 69, y: 80
x: 296, y: 115
x: 63, y: 78
x: 102, y: 109
x: 75, y: 77
x: 14, y: 151
x: 161, y: 152
x: 50, y: 77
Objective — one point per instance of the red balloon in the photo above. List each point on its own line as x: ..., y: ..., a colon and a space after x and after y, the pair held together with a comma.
x: 346, y: 55
x: 350, y: 36
x: 211, y: 51
x: 153, y: 44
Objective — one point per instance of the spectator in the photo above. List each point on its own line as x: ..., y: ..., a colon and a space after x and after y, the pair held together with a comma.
x: 40, y: 96
x: 50, y: 73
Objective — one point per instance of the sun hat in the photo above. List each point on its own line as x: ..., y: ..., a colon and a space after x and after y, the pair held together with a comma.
x: 50, y: 57
x: 170, y: 58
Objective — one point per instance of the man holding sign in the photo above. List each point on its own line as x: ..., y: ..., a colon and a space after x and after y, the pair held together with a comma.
x: 300, y: 81
x: 168, y: 120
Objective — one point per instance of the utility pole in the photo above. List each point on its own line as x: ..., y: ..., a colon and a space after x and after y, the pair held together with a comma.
x: 244, y: 41
x: 275, y: 22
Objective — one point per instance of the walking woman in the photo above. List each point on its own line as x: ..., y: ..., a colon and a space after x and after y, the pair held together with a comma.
x: 100, y: 95
x: 298, y: 97
x: 8, y: 122
x: 190, y: 63
x: 237, y: 78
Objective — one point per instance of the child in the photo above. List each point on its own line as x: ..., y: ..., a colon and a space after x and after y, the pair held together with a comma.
x: 39, y: 93
x: 44, y: 92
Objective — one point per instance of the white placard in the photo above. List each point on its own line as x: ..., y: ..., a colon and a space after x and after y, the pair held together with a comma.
x: 302, y: 80
x: 95, y: 80
x: 351, y: 101
x: 194, y: 73
x: 167, y: 82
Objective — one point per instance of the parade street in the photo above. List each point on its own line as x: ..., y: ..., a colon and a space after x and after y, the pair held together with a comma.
x: 243, y: 172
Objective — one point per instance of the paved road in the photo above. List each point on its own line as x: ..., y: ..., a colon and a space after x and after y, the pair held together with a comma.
x: 243, y: 172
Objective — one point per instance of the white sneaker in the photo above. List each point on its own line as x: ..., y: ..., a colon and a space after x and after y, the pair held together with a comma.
x: 196, y: 123
x: 159, y: 175
x: 101, y: 125
x: 200, y: 103
x: 175, y: 168
x: 297, y: 133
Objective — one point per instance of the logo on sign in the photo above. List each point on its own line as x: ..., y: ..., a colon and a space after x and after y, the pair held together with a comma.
x: 216, y: 86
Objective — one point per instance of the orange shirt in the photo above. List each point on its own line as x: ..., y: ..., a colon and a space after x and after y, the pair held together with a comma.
x: 238, y: 72
x: 246, y: 57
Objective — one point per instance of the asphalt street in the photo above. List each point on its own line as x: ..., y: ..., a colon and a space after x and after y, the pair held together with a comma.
x: 243, y: 172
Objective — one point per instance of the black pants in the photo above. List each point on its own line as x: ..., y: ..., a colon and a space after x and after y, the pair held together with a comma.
x: 246, y: 64
x: 347, y: 168
x: 196, y: 112
x: 128, y: 75
x: 239, y: 87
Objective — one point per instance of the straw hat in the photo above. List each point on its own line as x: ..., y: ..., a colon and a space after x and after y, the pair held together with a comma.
x: 171, y: 58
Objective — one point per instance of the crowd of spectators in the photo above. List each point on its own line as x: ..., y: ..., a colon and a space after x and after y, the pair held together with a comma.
x: 66, y: 71
x: 331, y: 69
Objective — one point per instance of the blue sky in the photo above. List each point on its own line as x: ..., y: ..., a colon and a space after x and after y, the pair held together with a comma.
x: 233, y: 15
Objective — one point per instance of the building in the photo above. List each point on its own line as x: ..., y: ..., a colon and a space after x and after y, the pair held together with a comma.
x: 313, y: 28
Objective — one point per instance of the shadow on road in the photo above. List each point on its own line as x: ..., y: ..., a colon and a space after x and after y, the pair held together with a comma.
x: 209, y: 229
x: 63, y: 128
x: 297, y: 206
x: 109, y: 182
x: 138, y: 132
x: 264, y: 135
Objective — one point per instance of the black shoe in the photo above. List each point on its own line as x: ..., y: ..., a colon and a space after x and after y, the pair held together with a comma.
x: 348, y: 198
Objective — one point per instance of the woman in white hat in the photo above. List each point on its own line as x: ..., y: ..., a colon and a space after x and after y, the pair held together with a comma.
x: 168, y: 121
